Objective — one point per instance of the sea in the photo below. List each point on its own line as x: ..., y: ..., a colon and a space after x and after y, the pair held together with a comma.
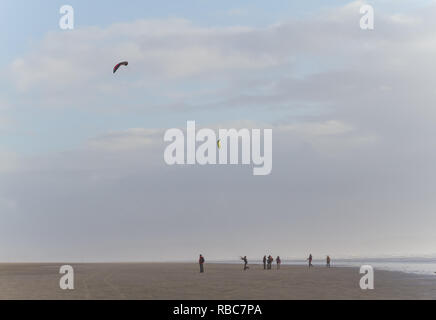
x: 415, y: 265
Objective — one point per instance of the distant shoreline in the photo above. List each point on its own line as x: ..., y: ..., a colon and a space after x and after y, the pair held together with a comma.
x: 418, y: 266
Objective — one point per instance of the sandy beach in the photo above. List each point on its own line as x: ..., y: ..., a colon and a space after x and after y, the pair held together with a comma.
x: 220, y: 281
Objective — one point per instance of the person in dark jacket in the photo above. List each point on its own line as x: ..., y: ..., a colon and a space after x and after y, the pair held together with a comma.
x: 278, y: 261
x: 270, y: 261
x: 264, y: 262
x: 310, y: 260
x: 201, y: 263
x: 245, y: 262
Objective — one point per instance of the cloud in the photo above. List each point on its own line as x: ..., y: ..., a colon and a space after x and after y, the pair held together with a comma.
x: 237, y: 12
x: 352, y: 114
x: 116, y: 193
x: 170, y: 56
x: 156, y: 49
x: 134, y: 138
x: 9, y: 161
x: 330, y: 127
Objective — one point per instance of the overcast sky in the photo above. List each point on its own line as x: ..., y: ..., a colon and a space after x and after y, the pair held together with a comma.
x: 82, y: 175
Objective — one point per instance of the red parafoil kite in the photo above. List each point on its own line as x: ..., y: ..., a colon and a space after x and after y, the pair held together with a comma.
x: 124, y: 63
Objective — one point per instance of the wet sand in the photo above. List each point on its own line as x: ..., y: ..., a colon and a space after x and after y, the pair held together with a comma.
x: 220, y: 281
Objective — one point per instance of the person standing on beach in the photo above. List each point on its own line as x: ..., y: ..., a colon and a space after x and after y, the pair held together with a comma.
x: 245, y: 262
x: 264, y: 262
x: 201, y: 262
x: 310, y: 260
x: 328, y: 262
x: 278, y: 262
x: 270, y: 261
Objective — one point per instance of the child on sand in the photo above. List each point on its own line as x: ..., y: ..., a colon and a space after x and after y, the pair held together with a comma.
x: 328, y: 262
x: 264, y: 262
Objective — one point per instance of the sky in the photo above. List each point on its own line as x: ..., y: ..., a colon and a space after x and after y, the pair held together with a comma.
x: 82, y: 174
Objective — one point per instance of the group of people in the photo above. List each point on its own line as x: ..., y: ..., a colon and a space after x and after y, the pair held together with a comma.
x: 267, y: 262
